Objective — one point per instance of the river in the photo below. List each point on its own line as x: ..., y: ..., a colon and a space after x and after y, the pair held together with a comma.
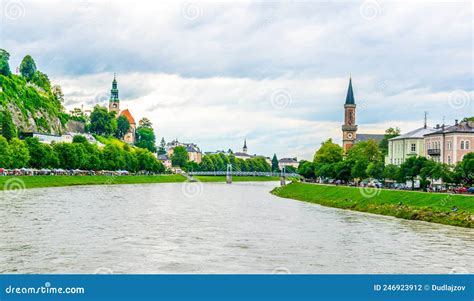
x: 213, y: 228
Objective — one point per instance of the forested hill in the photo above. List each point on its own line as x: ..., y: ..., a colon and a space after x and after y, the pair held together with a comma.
x: 28, y: 100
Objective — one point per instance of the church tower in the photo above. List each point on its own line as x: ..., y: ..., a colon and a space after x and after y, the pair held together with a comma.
x: 244, y: 149
x: 349, y: 128
x: 114, y: 103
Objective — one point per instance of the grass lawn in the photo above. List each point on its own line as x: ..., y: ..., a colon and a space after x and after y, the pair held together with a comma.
x: 10, y: 182
x: 424, y: 206
x: 235, y: 179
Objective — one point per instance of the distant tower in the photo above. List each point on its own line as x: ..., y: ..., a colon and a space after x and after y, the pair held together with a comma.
x: 349, y: 128
x: 114, y: 102
x: 244, y: 149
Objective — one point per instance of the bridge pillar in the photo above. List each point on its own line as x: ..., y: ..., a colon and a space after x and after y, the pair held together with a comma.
x: 228, y: 177
x: 282, y: 177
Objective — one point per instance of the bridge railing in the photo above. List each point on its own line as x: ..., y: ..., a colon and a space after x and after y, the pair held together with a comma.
x: 242, y: 173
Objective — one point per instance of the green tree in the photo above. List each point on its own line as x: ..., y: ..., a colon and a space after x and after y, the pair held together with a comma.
x: 41, y: 155
x: 180, y: 156
x: 102, y: 122
x: 389, y: 134
x: 411, y: 169
x: 4, y: 66
x: 342, y: 170
x: 464, y: 170
x: 306, y: 169
x: 162, y: 148
x: 8, y: 127
x: 145, y: 123
x: 123, y: 126
x: 19, y: 153
x: 391, y: 172
x: 145, y: 139
x: 79, y: 139
x: 206, y: 164
x: 28, y: 67
x: 359, y: 168
x: 275, y: 166
x: 375, y: 170
x: 5, y: 154
x: 329, y: 152
x: 113, y: 157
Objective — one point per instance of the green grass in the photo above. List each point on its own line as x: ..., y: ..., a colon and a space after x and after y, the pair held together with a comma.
x: 10, y: 182
x: 235, y: 179
x: 423, y: 206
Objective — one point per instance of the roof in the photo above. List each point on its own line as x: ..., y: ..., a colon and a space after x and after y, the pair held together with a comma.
x: 415, y: 134
x: 239, y: 154
x: 350, y: 94
x: 163, y: 157
x: 365, y: 137
x: 128, y: 115
x: 462, y: 127
x: 288, y: 160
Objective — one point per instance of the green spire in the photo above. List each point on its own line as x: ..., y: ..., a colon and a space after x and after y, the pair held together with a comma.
x: 114, y: 93
x: 350, y: 94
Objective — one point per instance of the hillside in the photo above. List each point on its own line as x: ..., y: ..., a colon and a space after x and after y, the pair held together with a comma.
x: 34, y: 105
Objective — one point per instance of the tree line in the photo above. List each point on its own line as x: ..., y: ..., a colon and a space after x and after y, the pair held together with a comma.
x: 80, y: 154
x: 364, y: 160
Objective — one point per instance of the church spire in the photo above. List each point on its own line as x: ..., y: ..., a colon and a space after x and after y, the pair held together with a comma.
x: 350, y: 94
x: 114, y: 102
x: 244, y: 149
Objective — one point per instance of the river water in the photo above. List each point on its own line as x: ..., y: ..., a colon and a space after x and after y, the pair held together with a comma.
x: 213, y: 228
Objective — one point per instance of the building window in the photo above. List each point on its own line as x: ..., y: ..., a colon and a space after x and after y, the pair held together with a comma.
x: 413, y: 147
x: 449, y: 145
x: 449, y: 159
x: 462, y: 144
x: 466, y: 145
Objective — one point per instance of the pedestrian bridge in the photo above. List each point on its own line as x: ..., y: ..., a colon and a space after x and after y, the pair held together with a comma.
x: 242, y: 173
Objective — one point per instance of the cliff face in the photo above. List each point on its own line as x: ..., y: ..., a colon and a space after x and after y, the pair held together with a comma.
x: 33, y: 105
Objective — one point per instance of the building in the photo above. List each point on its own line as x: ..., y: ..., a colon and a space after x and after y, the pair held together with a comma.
x: 114, y: 106
x: 130, y: 135
x: 409, y: 144
x: 349, y: 128
x: 165, y: 160
x: 194, y: 152
x: 448, y: 144
x: 49, y: 138
x: 285, y: 162
x: 243, y: 155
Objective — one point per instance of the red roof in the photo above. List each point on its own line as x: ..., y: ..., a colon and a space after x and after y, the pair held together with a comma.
x: 127, y: 114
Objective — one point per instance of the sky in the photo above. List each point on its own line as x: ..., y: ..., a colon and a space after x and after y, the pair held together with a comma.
x: 272, y: 72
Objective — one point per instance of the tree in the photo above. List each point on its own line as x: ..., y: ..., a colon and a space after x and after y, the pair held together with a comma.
x: 275, y: 166
x: 28, y: 67
x: 19, y: 153
x: 58, y: 93
x: 206, y: 164
x: 102, y: 122
x: 375, y: 170
x: 179, y: 156
x: 145, y: 136
x: 411, y: 169
x: 464, y: 170
x: 4, y: 66
x: 113, y: 157
x: 358, y: 170
x: 41, y: 155
x: 145, y: 123
x: 123, y: 126
x: 389, y: 134
x: 5, y: 154
x: 7, y: 126
x: 79, y: 139
x: 162, y: 148
x: 329, y: 152
x: 391, y: 172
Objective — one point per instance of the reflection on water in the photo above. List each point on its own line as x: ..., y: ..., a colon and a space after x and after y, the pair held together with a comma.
x: 238, y: 228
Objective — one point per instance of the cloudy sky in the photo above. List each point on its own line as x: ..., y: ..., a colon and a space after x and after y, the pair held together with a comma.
x: 274, y: 72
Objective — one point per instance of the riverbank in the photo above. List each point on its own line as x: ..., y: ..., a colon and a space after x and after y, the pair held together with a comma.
x: 455, y: 210
x: 26, y: 182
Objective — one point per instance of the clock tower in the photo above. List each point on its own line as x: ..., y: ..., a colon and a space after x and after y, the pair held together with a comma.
x: 349, y: 128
